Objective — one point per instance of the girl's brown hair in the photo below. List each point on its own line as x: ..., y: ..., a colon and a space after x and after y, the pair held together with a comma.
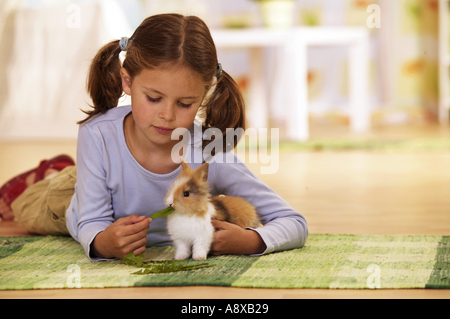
x: 168, y: 39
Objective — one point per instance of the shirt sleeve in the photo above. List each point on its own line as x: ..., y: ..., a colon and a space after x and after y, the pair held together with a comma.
x: 95, y: 211
x: 284, y: 228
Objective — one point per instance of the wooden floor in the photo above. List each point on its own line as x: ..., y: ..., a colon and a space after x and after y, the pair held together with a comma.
x: 338, y: 192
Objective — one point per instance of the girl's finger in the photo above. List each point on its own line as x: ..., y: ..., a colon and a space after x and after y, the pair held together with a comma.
x: 136, y: 228
x: 138, y: 247
x: 218, y: 224
x: 140, y: 250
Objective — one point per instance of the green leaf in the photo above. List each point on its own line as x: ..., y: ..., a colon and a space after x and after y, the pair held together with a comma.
x: 159, y: 266
x: 163, y: 213
x: 144, y: 271
x: 133, y: 260
x: 167, y: 266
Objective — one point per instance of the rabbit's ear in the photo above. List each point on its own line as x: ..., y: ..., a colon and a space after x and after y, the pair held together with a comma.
x: 185, y: 168
x: 202, y: 172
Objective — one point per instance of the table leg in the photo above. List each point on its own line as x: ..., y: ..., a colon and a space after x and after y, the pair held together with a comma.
x: 257, y: 110
x: 296, y: 88
x: 359, y: 75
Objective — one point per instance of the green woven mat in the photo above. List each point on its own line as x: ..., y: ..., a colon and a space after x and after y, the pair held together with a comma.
x: 327, y: 261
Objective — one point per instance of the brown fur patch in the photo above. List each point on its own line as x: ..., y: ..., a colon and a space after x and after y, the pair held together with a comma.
x: 236, y: 210
x: 221, y: 209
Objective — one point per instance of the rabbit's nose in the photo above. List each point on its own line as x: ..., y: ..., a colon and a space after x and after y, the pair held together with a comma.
x: 171, y: 205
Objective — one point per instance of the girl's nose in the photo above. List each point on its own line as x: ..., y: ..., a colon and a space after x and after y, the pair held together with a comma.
x: 167, y: 112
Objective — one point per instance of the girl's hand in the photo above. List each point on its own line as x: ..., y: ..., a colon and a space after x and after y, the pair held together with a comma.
x: 230, y: 239
x: 126, y: 235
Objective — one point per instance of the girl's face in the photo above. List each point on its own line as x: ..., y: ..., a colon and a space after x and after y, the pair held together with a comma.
x: 162, y: 100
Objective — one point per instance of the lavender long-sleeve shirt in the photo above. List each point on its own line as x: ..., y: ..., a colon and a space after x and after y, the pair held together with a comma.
x: 111, y: 184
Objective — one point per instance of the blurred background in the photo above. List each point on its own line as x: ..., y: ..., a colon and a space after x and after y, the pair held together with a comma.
x: 46, y: 47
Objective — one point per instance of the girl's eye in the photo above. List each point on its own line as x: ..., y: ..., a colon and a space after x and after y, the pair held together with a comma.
x: 185, y: 105
x: 153, y: 100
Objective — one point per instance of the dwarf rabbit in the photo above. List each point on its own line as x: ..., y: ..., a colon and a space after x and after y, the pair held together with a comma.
x: 190, y: 225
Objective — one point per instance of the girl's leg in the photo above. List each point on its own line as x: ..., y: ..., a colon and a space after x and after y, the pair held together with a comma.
x: 42, y: 207
x: 16, y: 186
x: 6, y: 212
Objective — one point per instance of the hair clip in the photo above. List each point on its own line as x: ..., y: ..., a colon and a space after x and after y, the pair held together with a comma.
x: 123, y: 43
x: 219, y: 71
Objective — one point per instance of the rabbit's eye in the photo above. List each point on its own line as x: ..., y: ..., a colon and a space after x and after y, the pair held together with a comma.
x: 186, y: 194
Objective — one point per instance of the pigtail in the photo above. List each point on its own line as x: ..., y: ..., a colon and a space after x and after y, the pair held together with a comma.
x: 104, y: 83
x: 225, y: 109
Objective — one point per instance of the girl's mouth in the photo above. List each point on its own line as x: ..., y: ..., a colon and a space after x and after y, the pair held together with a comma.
x: 163, y: 130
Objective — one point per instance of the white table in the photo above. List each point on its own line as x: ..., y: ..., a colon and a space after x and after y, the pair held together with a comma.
x: 293, y: 44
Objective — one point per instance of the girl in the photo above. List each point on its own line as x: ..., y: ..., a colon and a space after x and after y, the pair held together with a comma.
x: 124, y: 161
